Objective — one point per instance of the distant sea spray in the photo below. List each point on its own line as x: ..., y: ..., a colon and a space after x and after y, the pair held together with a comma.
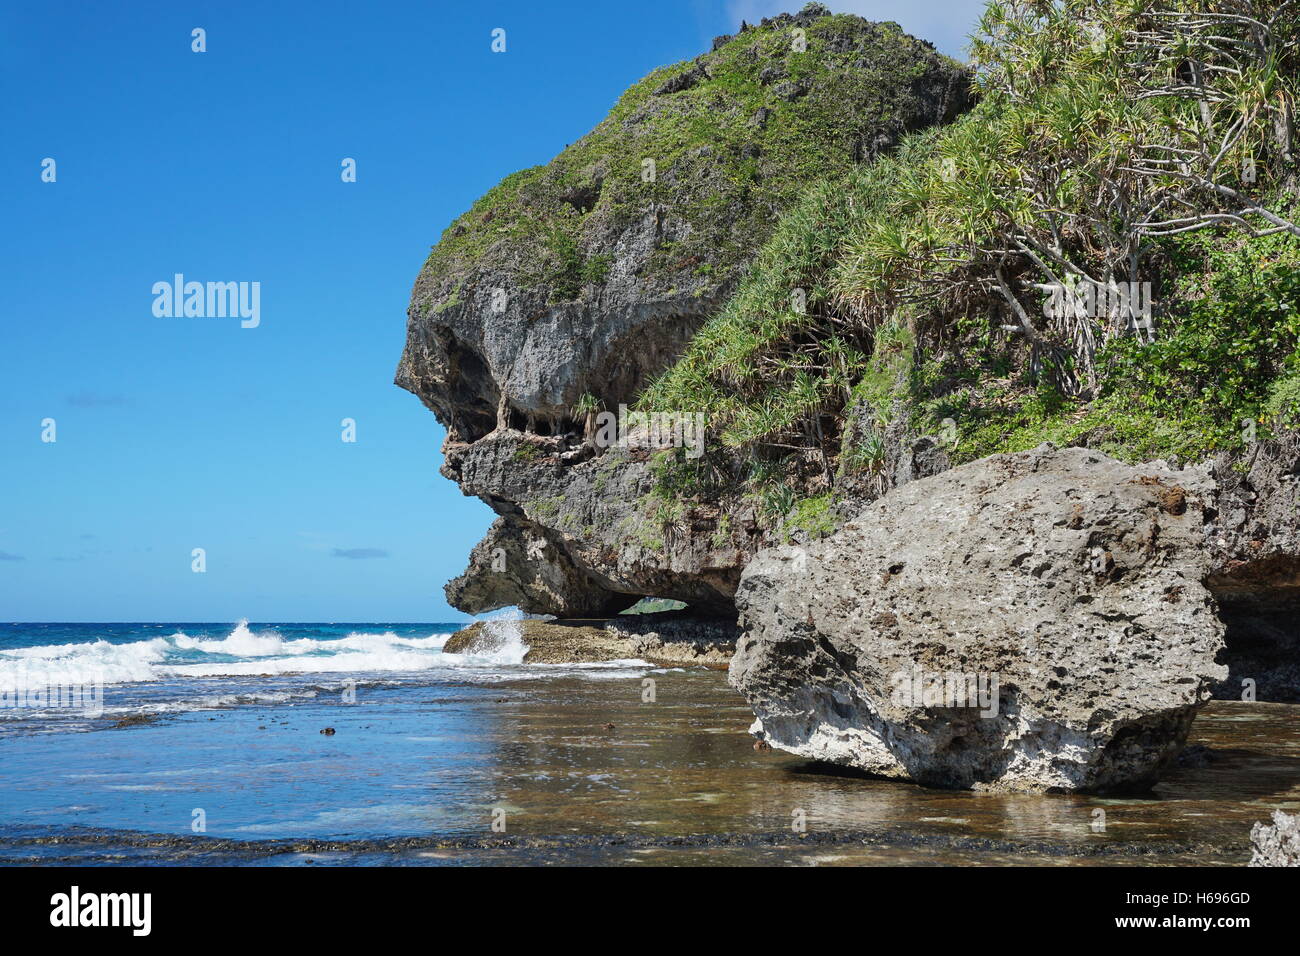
x: 241, y: 652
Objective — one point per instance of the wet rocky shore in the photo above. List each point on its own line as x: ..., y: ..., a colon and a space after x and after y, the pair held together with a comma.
x: 590, y: 771
x: 667, y: 638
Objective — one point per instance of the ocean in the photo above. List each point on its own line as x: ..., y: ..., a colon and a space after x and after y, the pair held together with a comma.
x: 341, y: 744
x: 148, y: 670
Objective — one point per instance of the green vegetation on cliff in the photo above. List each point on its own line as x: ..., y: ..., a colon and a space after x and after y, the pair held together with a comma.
x: 1116, y: 143
x: 724, y: 142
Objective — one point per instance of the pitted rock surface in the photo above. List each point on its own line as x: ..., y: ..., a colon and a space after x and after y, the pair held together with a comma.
x: 1064, y: 585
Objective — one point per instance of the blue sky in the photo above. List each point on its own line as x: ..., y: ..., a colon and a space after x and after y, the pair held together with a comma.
x: 182, y: 433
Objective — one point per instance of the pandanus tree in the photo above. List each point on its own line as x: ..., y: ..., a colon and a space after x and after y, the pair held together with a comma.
x: 1106, y: 124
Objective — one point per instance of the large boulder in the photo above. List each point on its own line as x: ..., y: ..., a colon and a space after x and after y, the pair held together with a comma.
x: 1027, y: 622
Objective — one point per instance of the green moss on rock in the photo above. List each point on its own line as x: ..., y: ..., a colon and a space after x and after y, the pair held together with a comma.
x: 734, y: 136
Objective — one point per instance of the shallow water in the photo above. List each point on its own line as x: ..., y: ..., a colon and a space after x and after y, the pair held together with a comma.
x: 415, y: 772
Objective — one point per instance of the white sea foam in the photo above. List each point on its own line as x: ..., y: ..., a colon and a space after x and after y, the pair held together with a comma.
x: 80, y: 664
x: 244, y: 652
x: 503, y: 640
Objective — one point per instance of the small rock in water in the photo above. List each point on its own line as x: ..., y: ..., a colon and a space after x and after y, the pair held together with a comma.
x: 328, y: 731
x: 762, y: 745
x: 609, y: 726
x: 1276, y: 845
x: 134, y: 720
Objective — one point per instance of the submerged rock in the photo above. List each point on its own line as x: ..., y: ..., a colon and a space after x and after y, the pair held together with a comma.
x: 670, y: 639
x: 544, y: 642
x: 677, y: 638
x: 1027, y: 622
x: 1276, y: 845
x: 135, y: 720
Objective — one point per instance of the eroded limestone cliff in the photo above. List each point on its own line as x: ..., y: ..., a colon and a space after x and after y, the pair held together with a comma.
x: 566, y: 289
